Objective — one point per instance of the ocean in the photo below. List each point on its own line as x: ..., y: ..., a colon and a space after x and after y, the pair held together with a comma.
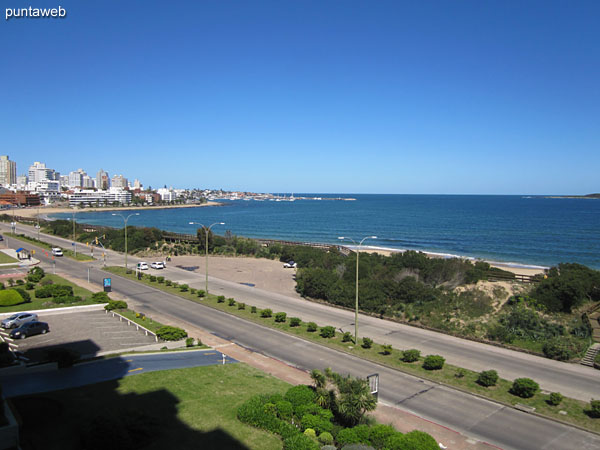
x: 514, y: 230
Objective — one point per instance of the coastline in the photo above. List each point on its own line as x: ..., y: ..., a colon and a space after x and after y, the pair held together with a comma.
x: 45, y: 211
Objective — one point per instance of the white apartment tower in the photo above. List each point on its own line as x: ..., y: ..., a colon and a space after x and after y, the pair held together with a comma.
x: 102, y: 180
x: 8, y: 171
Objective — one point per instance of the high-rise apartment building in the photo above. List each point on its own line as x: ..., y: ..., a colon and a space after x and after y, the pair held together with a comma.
x: 8, y: 171
x: 39, y: 172
x: 102, y: 180
x: 119, y: 181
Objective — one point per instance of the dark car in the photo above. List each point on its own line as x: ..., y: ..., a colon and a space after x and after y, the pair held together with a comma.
x: 29, y: 329
x: 1, y: 238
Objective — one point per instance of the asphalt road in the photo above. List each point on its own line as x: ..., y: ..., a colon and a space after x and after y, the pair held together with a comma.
x: 484, y: 420
x: 108, y: 369
x: 572, y: 380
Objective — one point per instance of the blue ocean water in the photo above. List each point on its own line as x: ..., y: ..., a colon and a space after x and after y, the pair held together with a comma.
x: 509, y: 229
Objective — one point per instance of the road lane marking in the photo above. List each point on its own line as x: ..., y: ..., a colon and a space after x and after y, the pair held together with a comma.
x: 135, y: 370
x: 205, y: 354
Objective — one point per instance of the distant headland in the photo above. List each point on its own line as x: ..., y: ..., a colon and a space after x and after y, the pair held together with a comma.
x: 597, y: 196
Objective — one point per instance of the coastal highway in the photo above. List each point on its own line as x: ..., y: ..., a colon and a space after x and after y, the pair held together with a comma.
x: 572, y: 380
x: 470, y: 415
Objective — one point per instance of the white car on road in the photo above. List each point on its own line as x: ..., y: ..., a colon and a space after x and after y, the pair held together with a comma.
x: 290, y: 265
x: 142, y: 266
x: 158, y: 265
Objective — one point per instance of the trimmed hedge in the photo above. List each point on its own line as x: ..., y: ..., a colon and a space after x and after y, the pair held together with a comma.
x: 10, y: 297
x: 433, y: 362
x: 266, y: 313
x: 327, y: 332
x: 488, y: 378
x: 555, y: 398
x: 53, y: 290
x: 100, y: 297
x: 524, y: 387
x: 411, y: 355
x: 295, y: 321
x: 280, y: 317
x: 311, y: 327
x: 168, y: 333
x: 115, y: 304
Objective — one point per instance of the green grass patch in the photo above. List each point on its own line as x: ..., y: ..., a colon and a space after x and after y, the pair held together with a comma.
x: 447, y: 375
x: 68, y: 253
x: 145, y: 321
x: 182, y: 408
x: 47, y: 303
x: 5, y: 259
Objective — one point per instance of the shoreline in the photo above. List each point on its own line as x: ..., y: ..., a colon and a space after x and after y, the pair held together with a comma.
x: 45, y: 211
x: 515, y: 267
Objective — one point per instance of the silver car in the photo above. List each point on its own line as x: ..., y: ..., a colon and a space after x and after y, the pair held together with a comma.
x: 18, y: 319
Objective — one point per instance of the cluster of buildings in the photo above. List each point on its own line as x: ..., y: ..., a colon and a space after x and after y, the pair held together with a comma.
x: 43, y: 185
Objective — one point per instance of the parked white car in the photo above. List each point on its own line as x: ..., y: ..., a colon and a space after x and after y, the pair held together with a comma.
x: 56, y: 251
x: 142, y: 266
x: 290, y: 265
x: 158, y: 265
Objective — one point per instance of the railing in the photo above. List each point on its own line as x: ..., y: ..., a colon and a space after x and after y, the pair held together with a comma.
x: 131, y: 322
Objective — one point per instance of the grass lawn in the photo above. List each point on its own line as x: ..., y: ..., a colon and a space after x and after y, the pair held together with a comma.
x: 574, y: 408
x: 46, y: 303
x: 5, y: 259
x: 182, y: 408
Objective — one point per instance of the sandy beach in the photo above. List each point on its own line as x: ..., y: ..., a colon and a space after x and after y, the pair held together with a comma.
x: 47, y: 210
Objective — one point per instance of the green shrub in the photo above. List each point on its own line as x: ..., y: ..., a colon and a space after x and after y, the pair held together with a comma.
x: 189, y: 342
x: 66, y: 299
x: 419, y: 440
x: 433, y: 362
x: 524, y: 387
x: 379, y: 434
x: 386, y: 349
x: 300, y: 442
x: 115, y: 304
x: 241, y: 305
x: 310, y: 433
x: 160, y: 279
x: 201, y: 293
x: 231, y: 302
x: 253, y: 310
x: 10, y: 282
x: 460, y: 372
x: 594, y: 410
x: 488, y: 378
x: 36, y: 274
x: 174, y: 284
x: 367, y: 342
x: 299, y: 395
x: 152, y: 278
x: 53, y: 290
x: 20, y: 282
x: 10, y: 297
x: 326, y: 438
x: 24, y: 294
x: 355, y: 435
x: 221, y: 299
x: 295, y: 321
x: 347, y: 337
x: 562, y: 348
x: 168, y: 333
x: 555, y: 398
x: 280, y: 317
x: 311, y: 327
x: 266, y: 313
x: 317, y: 423
x: 285, y: 410
x: 168, y: 282
x: 100, y: 297
x: 29, y: 286
x: 411, y: 355
x: 327, y: 332
x: 193, y: 291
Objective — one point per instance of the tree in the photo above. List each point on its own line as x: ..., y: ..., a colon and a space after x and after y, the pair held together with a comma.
x: 353, y: 399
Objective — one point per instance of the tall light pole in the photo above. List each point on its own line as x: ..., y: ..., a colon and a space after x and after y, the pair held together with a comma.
x: 356, y: 306
x: 38, y: 221
x: 206, y: 247
x: 74, y: 244
x: 125, y: 219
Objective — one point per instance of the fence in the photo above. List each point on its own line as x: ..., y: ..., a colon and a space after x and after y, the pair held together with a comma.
x: 131, y: 322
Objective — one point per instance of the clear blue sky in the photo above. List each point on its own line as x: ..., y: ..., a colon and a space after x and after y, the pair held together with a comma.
x: 310, y: 96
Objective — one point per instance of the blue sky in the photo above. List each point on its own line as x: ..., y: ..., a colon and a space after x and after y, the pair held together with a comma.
x: 473, y: 97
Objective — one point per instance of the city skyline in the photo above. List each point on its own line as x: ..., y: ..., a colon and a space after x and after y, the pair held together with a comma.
x: 442, y: 98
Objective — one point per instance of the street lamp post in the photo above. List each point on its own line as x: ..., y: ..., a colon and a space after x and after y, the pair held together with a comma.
x: 356, y: 306
x: 206, y: 247
x: 74, y: 244
x: 125, y: 219
x: 38, y: 222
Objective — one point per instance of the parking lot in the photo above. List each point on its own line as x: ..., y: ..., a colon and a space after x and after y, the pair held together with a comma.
x: 86, y: 332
